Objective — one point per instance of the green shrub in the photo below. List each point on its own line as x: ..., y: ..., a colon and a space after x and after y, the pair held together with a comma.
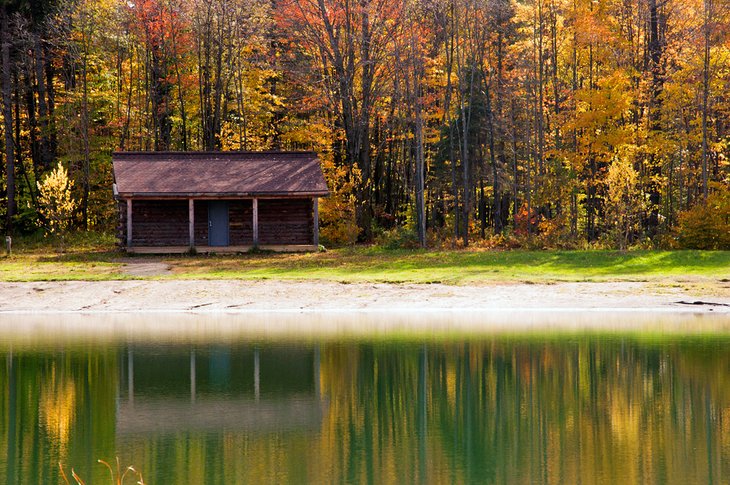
x: 397, y: 238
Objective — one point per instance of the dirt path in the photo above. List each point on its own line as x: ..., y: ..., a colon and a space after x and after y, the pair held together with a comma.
x: 143, y: 268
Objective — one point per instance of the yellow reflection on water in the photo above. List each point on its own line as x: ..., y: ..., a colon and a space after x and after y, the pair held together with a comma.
x: 58, y: 407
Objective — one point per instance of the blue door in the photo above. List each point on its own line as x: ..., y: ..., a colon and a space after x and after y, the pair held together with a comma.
x: 218, y: 223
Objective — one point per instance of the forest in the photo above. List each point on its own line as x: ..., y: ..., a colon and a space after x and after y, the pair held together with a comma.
x: 453, y: 123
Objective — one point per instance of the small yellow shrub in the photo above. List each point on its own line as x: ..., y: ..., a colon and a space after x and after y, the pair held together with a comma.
x: 56, y: 203
x: 707, y: 224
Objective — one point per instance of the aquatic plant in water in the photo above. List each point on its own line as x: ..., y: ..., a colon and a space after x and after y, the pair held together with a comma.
x: 116, y: 478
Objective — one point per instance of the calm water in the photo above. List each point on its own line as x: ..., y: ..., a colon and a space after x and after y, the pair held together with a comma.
x: 520, y: 409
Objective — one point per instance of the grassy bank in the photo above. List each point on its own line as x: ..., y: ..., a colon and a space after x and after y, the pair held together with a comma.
x: 97, y: 260
x: 461, y: 267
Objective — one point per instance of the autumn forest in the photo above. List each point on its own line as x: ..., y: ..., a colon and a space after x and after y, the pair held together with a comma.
x: 541, y: 123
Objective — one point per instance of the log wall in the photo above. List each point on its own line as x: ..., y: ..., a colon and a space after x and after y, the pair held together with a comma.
x: 285, y: 221
x: 240, y: 221
x: 122, y: 225
x: 165, y: 222
x: 201, y: 223
x: 160, y: 223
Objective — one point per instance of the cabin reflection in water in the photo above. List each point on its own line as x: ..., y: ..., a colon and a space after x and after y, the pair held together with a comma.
x: 218, y: 388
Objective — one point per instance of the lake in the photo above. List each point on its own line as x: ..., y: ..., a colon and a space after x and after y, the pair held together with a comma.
x: 537, y: 406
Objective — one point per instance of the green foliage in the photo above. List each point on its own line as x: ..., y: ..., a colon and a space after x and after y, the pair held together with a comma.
x: 88, y: 242
x: 707, y: 224
x: 103, y: 214
x: 398, y: 238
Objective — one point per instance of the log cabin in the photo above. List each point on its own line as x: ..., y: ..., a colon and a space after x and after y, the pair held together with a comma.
x: 176, y: 202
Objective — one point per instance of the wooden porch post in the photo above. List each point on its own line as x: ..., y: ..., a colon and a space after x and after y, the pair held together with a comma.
x: 191, y: 222
x: 129, y: 223
x: 255, y: 222
x: 315, y: 203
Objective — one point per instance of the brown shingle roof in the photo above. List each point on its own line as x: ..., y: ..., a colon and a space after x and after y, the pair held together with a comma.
x: 174, y: 174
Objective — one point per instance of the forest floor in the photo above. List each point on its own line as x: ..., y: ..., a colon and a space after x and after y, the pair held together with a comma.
x: 364, y: 278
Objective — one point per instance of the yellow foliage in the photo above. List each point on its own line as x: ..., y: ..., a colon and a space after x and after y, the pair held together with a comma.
x: 56, y: 202
x: 623, y: 201
x: 337, y: 212
x: 705, y: 226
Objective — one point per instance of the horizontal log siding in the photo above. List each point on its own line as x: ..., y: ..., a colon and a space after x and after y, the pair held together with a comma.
x: 165, y: 222
x: 240, y: 222
x: 201, y: 223
x: 122, y: 225
x: 285, y: 221
x: 160, y: 223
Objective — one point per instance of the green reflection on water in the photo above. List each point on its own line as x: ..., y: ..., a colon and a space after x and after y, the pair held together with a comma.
x: 539, y: 409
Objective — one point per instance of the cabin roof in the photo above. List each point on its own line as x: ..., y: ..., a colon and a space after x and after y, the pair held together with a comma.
x: 218, y: 174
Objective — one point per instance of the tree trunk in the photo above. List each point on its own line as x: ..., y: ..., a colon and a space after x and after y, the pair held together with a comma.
x: 51, y: 123
x: 8, y: 121
x: 44, y: 153
x: 466, y: 179
x: 515, y: 180
x: 32, y: 120
x: 574, y: 107
x: 85, y: 135
x: 655, y: 55
x: 420, y: 165
x: 541, y: 90
x: 705, y: 93
x: 128, y: 112
x: 554, y: 61
x: 482, y: 210
x: 496, y: 189
x: 450, y: 123
x: 181, y: 98
x: 465, y: 115
x: 420, y: 162
x: 160, y: 96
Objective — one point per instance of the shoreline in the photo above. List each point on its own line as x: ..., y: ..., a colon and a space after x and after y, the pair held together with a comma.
x: 242, y: 296
x: 19, y: 331
x: 198, y: 310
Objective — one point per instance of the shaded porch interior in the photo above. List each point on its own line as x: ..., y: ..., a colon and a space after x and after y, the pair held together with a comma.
x: 278, y: 224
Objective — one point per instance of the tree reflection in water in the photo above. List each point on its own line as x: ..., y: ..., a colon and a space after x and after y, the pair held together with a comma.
x: 563, y: 409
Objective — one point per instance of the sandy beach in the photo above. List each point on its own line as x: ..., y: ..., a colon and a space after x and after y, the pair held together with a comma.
x: 192, y: 309
x: 312, y: 296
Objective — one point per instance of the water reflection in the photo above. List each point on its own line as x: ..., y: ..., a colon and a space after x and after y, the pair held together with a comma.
x: 570, y: 409
x: 222, y: 392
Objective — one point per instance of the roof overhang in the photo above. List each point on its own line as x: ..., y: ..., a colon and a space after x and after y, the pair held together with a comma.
x: 223, y: 195
x: 216, y: 175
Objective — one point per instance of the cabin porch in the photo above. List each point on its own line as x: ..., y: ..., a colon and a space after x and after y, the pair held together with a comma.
x: 231, y: 225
